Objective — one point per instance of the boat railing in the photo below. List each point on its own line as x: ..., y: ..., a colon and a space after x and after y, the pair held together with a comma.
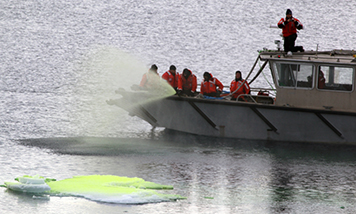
x: 261, y: 99
x: 263, y: 89
x: 334, y: 56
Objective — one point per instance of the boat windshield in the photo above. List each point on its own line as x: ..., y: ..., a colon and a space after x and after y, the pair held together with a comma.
x: 335, y: 78
x: 294, y: 75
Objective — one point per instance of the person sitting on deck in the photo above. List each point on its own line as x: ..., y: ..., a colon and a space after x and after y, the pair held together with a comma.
x: 150, y: 80
x: 187, y: 83
x: 171, y: 76
x: 239, y: 86
x: 289, y: 27
x: 209, y: 85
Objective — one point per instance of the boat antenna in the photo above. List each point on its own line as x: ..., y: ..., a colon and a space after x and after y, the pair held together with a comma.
x: 317, y: 47
x: 278, y: 43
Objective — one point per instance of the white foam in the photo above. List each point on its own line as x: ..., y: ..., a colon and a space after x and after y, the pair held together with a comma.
x: 134, y: 198
x: 28, y: 180
x: 27, y: 188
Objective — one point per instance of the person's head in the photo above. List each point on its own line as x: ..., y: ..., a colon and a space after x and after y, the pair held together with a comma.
x: 154, y: 68
x: 186, y: 73
x: 288, y: 13
x: 238, y: 75
x: 207, y: 76
x: 172, y: 69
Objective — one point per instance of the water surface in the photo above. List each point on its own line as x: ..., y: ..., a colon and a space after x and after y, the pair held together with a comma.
x: 60, y: 62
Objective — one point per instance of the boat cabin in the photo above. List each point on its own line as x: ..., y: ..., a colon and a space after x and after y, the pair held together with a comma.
x: 317, y: 80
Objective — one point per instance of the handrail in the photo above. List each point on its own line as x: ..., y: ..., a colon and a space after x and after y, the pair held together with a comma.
x: 263, y: 89
x: 252, y: 97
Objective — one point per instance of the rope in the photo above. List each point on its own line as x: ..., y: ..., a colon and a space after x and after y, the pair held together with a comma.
x: 264, y: 75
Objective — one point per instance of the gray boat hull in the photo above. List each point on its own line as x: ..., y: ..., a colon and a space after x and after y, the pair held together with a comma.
x: 220, y: 118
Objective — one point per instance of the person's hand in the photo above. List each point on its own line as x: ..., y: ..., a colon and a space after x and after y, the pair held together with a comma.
x: 191, y: 93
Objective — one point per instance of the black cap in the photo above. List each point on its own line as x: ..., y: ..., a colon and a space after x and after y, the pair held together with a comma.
x: 289, y: 12
x: 207, y: 74
x: 186, y: 72
x: 154, y: 67
x: 172, y: 67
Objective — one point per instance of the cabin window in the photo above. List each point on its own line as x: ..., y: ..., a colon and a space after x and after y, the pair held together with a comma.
x: 294, y: 75
x: 335, y: 78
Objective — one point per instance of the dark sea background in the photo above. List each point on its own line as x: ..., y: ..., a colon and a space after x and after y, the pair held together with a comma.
x: 61, y: 60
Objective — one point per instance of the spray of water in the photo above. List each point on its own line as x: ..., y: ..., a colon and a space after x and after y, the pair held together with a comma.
x: 109, y: 74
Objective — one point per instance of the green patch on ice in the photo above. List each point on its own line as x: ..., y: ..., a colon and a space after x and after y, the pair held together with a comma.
x: 103, y: 188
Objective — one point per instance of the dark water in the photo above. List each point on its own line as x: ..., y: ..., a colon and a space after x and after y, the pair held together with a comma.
x: 61, y: 60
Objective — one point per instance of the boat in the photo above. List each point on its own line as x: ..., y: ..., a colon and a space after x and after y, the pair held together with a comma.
x: 313, y: 100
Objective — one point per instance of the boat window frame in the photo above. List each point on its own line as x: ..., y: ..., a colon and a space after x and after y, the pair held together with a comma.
x: 336, y: 65
x: 276, y: 75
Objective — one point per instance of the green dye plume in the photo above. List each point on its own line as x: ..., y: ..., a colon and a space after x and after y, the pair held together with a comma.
x: 103, y: 188
x: 108, y: 184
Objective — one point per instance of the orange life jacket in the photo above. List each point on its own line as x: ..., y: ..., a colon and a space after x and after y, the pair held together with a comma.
x: 150, y: 80
x: 171, y: 79
x: 245, y: 89
x: 290, y: 28
x: 189, y: 84
x: 207, y: 87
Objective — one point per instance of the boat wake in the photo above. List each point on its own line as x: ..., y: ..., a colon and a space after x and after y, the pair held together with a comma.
x: 94, y: 146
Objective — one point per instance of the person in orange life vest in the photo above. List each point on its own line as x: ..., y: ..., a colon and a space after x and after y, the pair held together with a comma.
x: 237, y: 87
x: 187, y: 83
x: 150, y: 79
x: 209, y: 84
x: 289, y: 27
x: 171, y: 76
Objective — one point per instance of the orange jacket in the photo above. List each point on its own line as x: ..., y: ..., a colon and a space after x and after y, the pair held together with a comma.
x: 187, y: 84
x: 207, y: 87
x: 150, y: 80
x: 172, y: 80
x: 245, y: 89
x: 289, y: 28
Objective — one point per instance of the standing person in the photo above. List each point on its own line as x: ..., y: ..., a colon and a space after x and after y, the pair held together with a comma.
x: 209, y: 85
x: 150, y: 79
x: 171, y: 76
x: 187, y: 83
x: 289, y: 27
x: 237, y: 88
